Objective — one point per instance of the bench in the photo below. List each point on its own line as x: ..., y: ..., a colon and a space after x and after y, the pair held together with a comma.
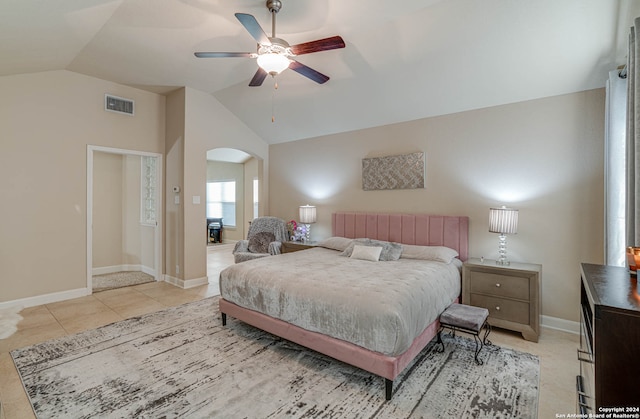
x: 466, y: 319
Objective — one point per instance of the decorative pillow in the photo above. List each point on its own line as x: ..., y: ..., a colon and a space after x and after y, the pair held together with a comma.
x: 371, y: 253
x: 336, y: 243
x: 437, y: 253
x: 259, y: 242
x: 390, y: 251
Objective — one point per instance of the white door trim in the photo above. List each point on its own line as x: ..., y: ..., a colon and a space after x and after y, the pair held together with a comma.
x: 158, y: 238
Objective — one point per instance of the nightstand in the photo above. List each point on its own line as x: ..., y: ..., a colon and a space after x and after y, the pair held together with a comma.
x: 511, y: 293
x: 288, y: 247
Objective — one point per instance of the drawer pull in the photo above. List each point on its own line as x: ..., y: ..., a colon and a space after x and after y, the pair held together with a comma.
x: 498, y: 285
x: 497, y: 308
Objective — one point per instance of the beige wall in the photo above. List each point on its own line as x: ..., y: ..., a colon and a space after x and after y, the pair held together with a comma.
x: 46, y: 122
x: 119, y: 238
x: 252, y: 169
x: 107, y: 209
x: 174, y: 176
x: 206, y: 125
x: 544, y: 157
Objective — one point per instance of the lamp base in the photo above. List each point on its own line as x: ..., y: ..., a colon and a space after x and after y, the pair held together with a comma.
x: 307, y: 236
x: 502, y: 251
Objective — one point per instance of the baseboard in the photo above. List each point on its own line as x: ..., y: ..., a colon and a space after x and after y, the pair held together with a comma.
x: 560, y: 324
x: 185, y: 284
x: 122, y: 268
x: 46, y: 298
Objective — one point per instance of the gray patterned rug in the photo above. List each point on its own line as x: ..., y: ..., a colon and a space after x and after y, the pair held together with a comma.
x: 181, y: 362
x: 119, y: 280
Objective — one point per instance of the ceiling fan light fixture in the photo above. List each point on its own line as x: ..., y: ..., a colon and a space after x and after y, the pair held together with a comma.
x: 273, y: 63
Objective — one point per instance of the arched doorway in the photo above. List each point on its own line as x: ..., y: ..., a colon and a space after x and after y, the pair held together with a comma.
x: 233, y: 195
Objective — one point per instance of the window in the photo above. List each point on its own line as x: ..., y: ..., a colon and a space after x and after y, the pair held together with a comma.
x: 256, y: 199
x: 221, y: 201
x: 615, y: 175
x: 148, y: 190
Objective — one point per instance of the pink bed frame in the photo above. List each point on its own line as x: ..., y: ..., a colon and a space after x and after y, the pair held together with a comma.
x: 428, y: 230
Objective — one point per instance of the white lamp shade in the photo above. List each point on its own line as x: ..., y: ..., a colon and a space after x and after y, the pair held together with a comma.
x: 503, y: 220
x: 273, y: 63
x: 307, y: 214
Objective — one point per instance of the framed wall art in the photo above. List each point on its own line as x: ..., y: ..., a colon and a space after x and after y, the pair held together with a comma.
x: 405, y: 171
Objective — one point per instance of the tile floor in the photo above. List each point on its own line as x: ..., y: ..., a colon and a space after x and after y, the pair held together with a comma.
x: 557, y: 350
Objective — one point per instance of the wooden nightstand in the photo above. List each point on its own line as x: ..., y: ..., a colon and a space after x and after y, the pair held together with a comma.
x: 511, y: 293
x: 288, y: 247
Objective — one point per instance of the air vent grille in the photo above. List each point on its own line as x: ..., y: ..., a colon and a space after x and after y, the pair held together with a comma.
x: 118, y: 104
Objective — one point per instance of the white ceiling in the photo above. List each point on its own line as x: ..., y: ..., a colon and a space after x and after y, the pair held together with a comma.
x: 403, y: 60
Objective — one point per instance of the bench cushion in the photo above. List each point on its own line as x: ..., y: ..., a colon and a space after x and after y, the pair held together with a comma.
x: 464, y: 316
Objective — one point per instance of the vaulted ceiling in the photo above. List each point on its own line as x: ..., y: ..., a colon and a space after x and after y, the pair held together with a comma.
x: 403, y: 60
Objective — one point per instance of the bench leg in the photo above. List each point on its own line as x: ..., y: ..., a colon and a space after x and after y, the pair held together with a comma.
x: 439, y: 341
x: 487, y: 330
x: 479, y: 346
x: 481, y: 342
x: 224, y: 319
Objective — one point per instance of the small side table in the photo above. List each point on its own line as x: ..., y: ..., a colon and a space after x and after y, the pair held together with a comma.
x: 288, y: 247
x: 511, y: 293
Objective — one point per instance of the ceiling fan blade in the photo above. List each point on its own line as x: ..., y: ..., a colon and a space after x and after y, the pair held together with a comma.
x: 308, y: 72
x: 325, y: 44
x: 258, y: 78
x: 251, y: 24
x: 224, y: 54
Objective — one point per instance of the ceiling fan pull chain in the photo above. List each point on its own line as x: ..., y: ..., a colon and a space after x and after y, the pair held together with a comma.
x: 273, y: 99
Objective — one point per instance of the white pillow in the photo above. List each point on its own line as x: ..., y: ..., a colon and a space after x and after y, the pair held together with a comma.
x: 437, y: 253
x: 371, y: 253
x: 336, y: 243
x: 390, y: 250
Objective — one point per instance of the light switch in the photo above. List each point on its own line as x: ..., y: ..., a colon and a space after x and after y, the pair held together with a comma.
x: 196, y: 199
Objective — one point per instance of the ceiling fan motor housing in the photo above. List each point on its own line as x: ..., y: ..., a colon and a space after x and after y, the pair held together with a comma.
x: 278, y: 46
x: 274, y: 5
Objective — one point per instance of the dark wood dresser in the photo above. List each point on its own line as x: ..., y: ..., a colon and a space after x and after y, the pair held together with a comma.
x: 609, y: 351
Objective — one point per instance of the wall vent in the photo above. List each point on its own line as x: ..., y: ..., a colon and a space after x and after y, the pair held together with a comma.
x: 118, y: 104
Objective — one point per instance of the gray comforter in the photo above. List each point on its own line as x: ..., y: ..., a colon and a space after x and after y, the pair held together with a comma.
x: 381, y: 306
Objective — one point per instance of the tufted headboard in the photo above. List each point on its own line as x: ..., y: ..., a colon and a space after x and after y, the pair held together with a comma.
x: 420, y: 229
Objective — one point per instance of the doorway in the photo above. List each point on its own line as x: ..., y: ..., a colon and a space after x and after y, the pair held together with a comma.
x: 237, y: 172
x: 234, y: 169
x: 124, y: 215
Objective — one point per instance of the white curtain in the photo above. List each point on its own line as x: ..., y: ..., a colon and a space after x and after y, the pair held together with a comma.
x: 615, y: 148
x: 633, y: 140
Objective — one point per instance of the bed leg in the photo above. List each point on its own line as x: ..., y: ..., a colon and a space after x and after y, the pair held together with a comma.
x: 388, y: 388
x: 224, y: 319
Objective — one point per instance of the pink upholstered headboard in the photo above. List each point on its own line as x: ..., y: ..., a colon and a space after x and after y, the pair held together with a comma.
x: 420, y: 229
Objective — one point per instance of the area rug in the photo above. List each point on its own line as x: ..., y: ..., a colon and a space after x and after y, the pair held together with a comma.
x: 120, y: 279
x: 181, y: 362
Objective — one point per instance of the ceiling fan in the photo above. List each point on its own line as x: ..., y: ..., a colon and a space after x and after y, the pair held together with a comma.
x: 275, y: 55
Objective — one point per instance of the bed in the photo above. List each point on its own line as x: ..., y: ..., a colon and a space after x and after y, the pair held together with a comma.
x: 377, y: 316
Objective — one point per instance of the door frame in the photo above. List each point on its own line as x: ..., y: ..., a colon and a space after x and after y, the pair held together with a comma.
x: 158, y: 230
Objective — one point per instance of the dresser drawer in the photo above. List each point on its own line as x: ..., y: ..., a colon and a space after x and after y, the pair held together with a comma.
x: 499, y: 308
x: 500, y: 285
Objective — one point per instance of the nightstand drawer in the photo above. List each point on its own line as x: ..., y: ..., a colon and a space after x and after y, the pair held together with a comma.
x: 500, y: 285
x: 514, y: 311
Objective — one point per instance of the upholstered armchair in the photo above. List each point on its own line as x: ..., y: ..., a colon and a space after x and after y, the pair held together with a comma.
x: 264, y: 238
